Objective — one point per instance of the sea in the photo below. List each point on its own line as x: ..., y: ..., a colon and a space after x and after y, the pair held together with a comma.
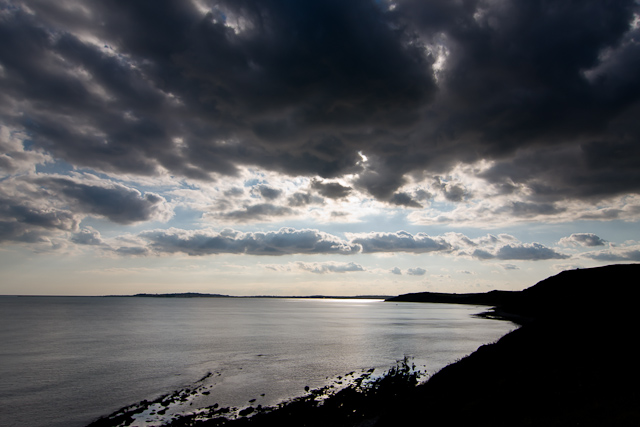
x: 66, y: 361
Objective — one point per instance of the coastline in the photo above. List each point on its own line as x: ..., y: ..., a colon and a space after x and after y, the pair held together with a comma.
x: 571, y: 362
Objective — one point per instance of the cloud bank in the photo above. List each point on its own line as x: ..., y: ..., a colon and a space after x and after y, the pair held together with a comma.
x: 285, y: 241
x: 290, y: 241
x: 582, y: 239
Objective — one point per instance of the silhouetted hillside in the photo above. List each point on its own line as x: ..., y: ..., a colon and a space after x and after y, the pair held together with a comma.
x: 573, y: 363
x: 493, y: 298
x: 570, y: 293
x: 181, y: 295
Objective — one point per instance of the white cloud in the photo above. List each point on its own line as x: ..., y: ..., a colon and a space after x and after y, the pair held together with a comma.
x: 14, y: 158
x: 288, y: 241
x: 87, y: 236
x: 582, y: 239
x: 417, y: 271
x: 282, y: 242
x: 400, y: 241
x: 630, y: 251
x: 329, y: 267
x: 520, y: 251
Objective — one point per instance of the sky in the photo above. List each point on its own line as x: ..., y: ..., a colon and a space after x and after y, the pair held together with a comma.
x: 282, y: 147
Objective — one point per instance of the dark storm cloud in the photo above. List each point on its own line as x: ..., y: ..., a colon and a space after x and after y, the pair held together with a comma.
x: 38, y: 227
x: 589, y: 171
x: 451, y: 192
x: 332, y: 190
x: 21, y: 221
x: 36, y: 216
x: 267, y: 192
x: 119, y: 204
x: 284, y: 87
x: 11, y: 231
x: 380, y: 180
x: 403, y: 199
x: 298, y: 199
x: 35, y: 208
x: 547, y: 90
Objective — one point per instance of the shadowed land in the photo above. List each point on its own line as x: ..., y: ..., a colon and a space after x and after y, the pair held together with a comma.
x: 573, y: 362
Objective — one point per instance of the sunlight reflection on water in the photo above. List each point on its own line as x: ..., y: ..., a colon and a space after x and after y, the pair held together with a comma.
x: 68, y: 360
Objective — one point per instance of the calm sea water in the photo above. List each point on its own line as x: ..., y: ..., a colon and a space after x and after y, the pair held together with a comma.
x: 65, y: 361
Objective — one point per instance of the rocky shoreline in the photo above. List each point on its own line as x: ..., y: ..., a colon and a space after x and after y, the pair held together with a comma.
x: 365, y: 390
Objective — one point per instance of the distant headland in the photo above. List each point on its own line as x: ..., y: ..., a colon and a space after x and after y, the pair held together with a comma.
x: 205, y: 295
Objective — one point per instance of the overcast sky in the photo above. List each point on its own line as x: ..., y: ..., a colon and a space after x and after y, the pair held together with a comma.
x: 331, y: 147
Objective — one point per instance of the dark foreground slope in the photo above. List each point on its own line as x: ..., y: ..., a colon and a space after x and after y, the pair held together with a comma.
x: 585, y: 293
x: 574, y: 362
